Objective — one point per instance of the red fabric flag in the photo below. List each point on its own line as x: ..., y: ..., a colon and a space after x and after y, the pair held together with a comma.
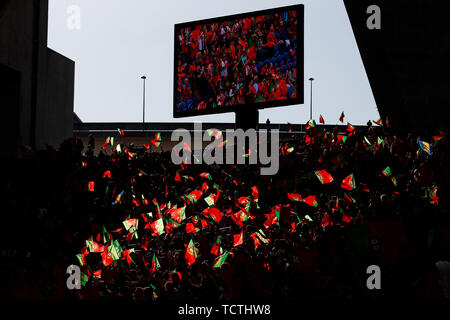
x: 191, y: 253
x: 321, y: 120
x: 323, y: 176
x: 255, y: 192
x: 107, y: 258
x: 326, y: 220
x: 91, y: 186
x: 349, y: 183
x: 311, y: 200
x: 346, y: 218
x: 214, y: 213
x: 238, y: 239
x: 190, y: 228
x: 294, y: 197
x: 341, y: 119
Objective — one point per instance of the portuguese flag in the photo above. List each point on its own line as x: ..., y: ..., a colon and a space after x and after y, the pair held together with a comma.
x: 387, y: 172
x: 206, y: 175
x: 238, y: 239
x: 216, y: 248
x: 157, y: 141
x: 213, y: 213
x: 321, y: 120
x: 158, y: 226
x: 220, y: 260
x: 311, y: 200
x: 294, y: 197
x: 349, y: 183
x: 191, y: 253
x: 155, y: 263
x: 323, y: 176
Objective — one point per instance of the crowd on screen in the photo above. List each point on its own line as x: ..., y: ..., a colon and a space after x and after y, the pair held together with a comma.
x: 243, y: 61
x: 51, y: 207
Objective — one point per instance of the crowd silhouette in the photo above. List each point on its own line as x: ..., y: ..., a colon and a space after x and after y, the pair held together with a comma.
x: 290, y: 236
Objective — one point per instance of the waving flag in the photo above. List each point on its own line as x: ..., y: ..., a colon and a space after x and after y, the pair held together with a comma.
x: 350, y: 128
x: 321, y: 120
x: 213, y: 213
x: 425, y: 146
x: 294, y: 197
x: 238, y: 239
x: 323, y: 176
x: 215, y: 250
x: 178, y: 214
x: 191, y: 253
x: 311, y: 200
x: 387, y: 172
x: 107, y: 258
x: 94, y: 246
x: 220, y: 260
x: 259, y: 237
x: 126, y: 256
x: 349, y: 183
x: 206, y: 175
x: 191, y: 228
x: 157, y: 141
x: 155, y: 263
x: 158, y: 227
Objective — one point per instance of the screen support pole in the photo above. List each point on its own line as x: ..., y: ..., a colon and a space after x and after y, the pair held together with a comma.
x: 247, y: 119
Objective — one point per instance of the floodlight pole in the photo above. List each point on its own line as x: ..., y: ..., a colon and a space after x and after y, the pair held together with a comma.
x: 143, y: 104
x: 311, y: 100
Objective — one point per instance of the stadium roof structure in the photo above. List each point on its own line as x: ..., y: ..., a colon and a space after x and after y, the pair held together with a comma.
x: 407, y: 60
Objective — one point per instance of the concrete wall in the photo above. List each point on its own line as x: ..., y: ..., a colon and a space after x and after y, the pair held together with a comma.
x: 16, y: 50
x: 54, y: 118
x: 46, y: 78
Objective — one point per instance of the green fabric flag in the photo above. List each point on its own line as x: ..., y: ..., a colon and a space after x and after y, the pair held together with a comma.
x: 220, y: 260
x: 387, y: 172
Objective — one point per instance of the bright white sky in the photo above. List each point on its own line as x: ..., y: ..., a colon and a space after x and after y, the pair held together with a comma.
x: 119, y: 41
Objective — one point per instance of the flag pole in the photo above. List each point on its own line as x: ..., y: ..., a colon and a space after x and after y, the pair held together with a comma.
x: 311, y: 100
x: 143, y: 104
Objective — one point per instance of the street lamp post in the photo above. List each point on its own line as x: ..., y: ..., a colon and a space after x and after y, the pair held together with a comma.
x: 311, y: 100
x: 143, y: 104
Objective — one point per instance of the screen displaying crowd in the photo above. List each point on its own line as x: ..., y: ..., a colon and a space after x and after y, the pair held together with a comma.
x: 236, y: 62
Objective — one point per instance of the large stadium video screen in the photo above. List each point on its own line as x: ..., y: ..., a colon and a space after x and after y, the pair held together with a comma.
x: 250, y: 60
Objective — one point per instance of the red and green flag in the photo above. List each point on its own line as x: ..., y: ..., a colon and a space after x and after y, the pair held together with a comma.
x: 94, y: 246
x: 220, y: 260
x: 238, y: 239
x: 191, y: 253
x: 206, y: 175
x: 214, y: 213
x: 321, y: 120
x: 349, y: 183
x: 216, y: 249
x: 157, y: 141
x: 387, y: 172
x: 155, y: 263
x: 191, y: 228
x: 158, y: 227
x: 311, y: 200
x: 294, y: 197
x: 323, y: 176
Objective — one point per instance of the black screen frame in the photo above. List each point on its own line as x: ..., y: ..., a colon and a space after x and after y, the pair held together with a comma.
x: 299, y: 8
